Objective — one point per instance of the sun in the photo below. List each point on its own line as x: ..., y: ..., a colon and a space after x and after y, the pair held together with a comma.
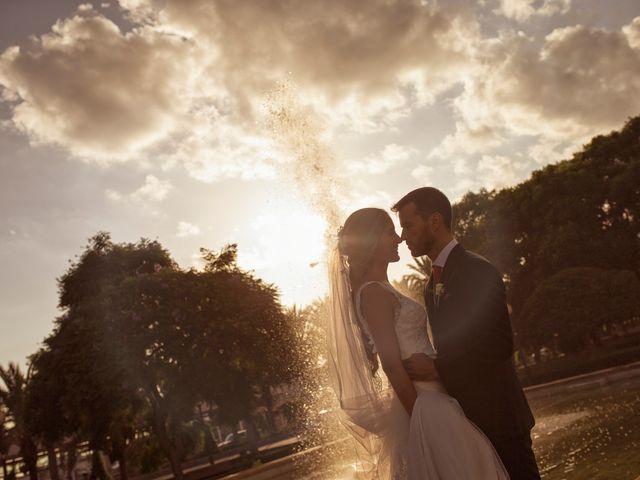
x: 289, y: 249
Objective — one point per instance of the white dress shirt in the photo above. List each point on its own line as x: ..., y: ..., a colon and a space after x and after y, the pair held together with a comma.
x: 441, y: 259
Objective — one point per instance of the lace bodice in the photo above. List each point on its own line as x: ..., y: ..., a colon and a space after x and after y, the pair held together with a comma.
x: 410, y: 323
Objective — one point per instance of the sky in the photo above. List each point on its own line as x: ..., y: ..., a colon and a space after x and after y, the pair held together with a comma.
x: 265, y: 122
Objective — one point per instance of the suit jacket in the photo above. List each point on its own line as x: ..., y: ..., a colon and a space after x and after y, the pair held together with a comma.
x: 473, y: 337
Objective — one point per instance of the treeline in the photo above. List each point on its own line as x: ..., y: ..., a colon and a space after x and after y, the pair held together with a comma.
x: 139, y: 347
x: 568, y: 241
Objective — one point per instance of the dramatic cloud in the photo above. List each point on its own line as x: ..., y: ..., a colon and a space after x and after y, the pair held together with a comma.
x: 187, y: 85
x: 580, y: 82
x: 363, y: 64
x: 95, y: 90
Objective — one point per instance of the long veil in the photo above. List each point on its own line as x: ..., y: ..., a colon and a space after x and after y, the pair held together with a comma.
x: 365, y: 398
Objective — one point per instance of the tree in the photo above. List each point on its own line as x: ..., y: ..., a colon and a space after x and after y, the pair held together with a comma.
x: 46, y: 419
x: 79, y: 359
x: 577, y: 304
x: 141, y: 340
x: 13, y: 394
x: 582, y: 212
x: 413, y: 284
x: 217, y: 335
x: 5, y: 441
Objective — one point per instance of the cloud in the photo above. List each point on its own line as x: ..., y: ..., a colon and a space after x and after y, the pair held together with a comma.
x: 468, y: 138
x: 186, y: 229
x: 95, y: 90
x: 545, y: 151
x: 581, y: 81
x: 113, y: 195
x: 632, y: 32
x: 423, y: 173
x: 499, y: 171
x: 187, y: 84
x: 523, y: 10
x: 390, y: 156
x: 216, y: 149
x: 153, y: 190
x: 340, y: 53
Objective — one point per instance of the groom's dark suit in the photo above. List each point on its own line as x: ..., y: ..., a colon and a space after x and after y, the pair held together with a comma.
x: 472, y: 335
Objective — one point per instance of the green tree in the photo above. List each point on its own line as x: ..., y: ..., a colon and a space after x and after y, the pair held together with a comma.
x: 581, y: 212
x: 84, y: 350
x: 578, y: 304
x: 218, y: 335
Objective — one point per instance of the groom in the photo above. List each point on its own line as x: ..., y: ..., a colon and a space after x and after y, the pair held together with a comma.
x: 471, y: 331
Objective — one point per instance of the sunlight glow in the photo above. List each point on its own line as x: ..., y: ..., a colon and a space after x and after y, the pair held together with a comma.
x: 288, y: 250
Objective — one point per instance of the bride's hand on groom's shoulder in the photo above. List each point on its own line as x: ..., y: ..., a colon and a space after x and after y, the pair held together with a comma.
x: 420, y: 367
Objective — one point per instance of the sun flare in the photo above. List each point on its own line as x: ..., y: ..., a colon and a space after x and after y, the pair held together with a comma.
x: 289, y: 251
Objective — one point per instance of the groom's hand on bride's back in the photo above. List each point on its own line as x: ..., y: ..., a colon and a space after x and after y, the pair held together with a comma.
x: 420, y: 367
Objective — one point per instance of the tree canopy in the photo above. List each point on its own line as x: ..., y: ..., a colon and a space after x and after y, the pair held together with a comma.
x: 582, y: 212
x: 577, y: 304
x: 142, y: 342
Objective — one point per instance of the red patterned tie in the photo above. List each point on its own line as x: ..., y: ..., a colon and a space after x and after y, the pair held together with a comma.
x: 437, y: 273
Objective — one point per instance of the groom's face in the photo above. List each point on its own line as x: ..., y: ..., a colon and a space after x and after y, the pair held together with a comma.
x: 416, y: 230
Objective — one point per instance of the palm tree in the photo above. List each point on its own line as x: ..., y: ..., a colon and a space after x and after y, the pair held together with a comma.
x: 5, y: 443
x: 409, y: 286
x: 13, y: 396
x: 422, y: 271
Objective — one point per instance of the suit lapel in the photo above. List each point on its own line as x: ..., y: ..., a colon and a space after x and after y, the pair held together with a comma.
x: 428, y: 297
x: 449, y: 273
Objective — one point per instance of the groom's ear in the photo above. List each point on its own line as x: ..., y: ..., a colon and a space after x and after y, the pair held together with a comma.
x: 436, y: 220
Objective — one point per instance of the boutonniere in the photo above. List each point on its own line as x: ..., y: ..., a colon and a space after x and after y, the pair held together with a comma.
x: 438, y: 293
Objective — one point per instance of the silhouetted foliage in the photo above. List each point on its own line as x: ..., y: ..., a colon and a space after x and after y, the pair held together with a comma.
x: 579, y: 305
x: 13, y: 396
x: 142, y: 342
x: 582, y: 212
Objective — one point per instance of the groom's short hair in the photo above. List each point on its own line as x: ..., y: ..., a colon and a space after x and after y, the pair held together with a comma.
x: 428, y: 200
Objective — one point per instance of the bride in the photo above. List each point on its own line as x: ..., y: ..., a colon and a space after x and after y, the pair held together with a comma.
x: 411, y: 430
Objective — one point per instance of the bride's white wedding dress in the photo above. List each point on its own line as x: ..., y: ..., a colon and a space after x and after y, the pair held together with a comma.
x: 437, y: 441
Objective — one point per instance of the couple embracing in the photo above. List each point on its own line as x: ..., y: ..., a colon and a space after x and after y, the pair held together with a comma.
x: 451, y: 406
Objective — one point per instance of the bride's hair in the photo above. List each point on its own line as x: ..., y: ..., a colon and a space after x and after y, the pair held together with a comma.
x: 358, y: 239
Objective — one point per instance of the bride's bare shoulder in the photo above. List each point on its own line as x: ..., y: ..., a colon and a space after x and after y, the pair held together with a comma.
x: 375, y: 297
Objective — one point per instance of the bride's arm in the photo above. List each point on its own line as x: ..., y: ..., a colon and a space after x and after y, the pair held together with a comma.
x: 378, y: 310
